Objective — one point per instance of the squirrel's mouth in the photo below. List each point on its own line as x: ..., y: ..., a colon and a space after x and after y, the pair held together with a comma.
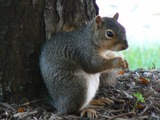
x: 120, y: 47
x: 124, y: 47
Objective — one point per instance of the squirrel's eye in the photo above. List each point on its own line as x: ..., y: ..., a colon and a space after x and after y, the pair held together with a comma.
x: 109, y: 34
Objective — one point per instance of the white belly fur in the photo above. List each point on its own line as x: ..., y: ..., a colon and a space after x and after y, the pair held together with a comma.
x: 92, y: 83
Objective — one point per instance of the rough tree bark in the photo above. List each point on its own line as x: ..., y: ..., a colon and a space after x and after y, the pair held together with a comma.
x: 24, y: 27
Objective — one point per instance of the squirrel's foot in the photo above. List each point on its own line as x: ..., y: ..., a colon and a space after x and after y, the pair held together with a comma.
x: 90, y: 110
x: 91, y: 113
x: 102, y: 101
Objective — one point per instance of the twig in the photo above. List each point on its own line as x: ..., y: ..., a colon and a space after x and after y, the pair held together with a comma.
x: 8, y: 106
x: 104, y: 116
x: 144, y: 110
x: 122, y: 115
x: 68, y: 117
x: 34, y: 101
x: 24, y: 114
x: 114, y: 111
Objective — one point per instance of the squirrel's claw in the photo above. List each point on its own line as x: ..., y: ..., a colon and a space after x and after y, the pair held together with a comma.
x: 121, y: 63
x: 91, y: 113
x: 127, y: 65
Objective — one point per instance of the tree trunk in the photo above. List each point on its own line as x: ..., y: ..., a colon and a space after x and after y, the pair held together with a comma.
x: 67, y: 15
x: 24, y: 27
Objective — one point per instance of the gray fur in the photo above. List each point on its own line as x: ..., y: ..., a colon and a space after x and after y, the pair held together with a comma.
x: 67, y: 53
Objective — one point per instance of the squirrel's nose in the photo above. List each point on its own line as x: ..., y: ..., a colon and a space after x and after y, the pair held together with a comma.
x: 125, y: 46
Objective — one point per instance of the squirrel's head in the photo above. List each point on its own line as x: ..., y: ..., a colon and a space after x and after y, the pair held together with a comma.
x: 109, y: 34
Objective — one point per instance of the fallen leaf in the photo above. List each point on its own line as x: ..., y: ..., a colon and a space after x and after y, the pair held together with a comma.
x: 21, y: 109
x: 144, y: 80
x: 121, y: 72
x: 140, y: 106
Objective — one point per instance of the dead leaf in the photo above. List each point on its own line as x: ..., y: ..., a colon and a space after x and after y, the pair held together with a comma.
x: 144, y: 81
x: 140, y: 106
x: 21, y: 109
x: 121, y: 72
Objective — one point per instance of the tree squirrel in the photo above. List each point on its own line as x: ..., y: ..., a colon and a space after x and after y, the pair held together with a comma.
x: 71, y: 63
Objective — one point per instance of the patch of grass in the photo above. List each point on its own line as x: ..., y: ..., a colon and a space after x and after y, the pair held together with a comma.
x: 143, y: 57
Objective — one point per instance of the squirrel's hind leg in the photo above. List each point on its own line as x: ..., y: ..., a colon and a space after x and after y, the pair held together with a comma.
x: 71, y: 96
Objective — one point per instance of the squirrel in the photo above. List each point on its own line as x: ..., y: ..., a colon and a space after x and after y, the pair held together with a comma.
x: 71, y: 63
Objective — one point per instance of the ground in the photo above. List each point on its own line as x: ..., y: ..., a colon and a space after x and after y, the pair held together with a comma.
x: 136, y: 96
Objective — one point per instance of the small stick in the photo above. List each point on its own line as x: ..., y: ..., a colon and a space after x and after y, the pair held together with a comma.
x: 33, y: 101
x: 104, y: 116
x: 8, y: 106
x: 145, y: 109
x: 68, y: 117
x: 121, y: 115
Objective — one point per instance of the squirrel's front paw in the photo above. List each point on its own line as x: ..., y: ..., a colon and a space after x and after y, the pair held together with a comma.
x: 127, y: 65
x: 120, y: 63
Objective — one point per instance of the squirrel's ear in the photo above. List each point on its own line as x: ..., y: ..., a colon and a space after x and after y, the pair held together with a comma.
x: 98, y: 20
x: 116, y: 16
